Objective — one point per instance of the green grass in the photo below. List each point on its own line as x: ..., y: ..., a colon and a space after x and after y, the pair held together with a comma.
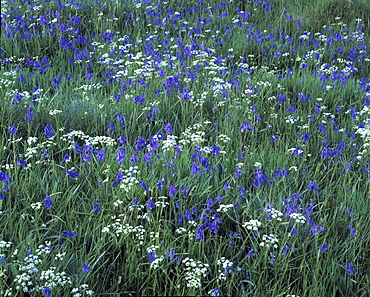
x: 175, y: 225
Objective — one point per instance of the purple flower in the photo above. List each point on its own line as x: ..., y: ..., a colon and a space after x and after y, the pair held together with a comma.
x: 238, y: 172
x: 101, y: 155
x: 121, y: 118
x: 48, y: 131
x: 48, y: 203
x: 245, y: 126
x: 314, y: 186
x: 171, y: 255
x: 68, y: 234
x: 151, y: 256
x: 139, y: 100
x: 324, y: 247
x: 22, y: 162
x: 120, y: 156
x: 5, y: 178
x: 168, y: 128
x: 72, y: 173
x: 316, y: 229
x: 150, y: 205
x: 353, y: 230
x: 251, y: 252
x: 86, y: 268
x: 350, y: 269
x: 144, y: 186
x: 29, y: 113
x: 274, y: 138
x: 95, y: 207
x: 122, y: 140
x: 172, y: 191
x: 13, y: 130
x: 47, y: 292
x: 140, y: 144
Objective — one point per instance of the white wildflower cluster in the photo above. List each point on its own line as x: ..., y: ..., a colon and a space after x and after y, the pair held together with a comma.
x: 269, y: 240
x: 3, y: 245
x: 274, y: 213
x: 299, y: 218
x: 195, y: 270
x: 225, y: 207
x: 225, y: 266
x: 157, y: 259
x: 32, y: 278
x: 82, y: 291
x: 252, y: 225
x: 36, y: 205
x: 223, y: 138
x: 364, y: 133
x: 129, y: 180
x: 118, y: 228
x: 92, y: 140
x: 161, y: 203
x: 40, y: 149
x: 54, y: 112
x: 193, y: 135
x: 169, y: 143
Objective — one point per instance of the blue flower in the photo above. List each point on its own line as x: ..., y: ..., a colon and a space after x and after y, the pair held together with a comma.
x: 72, y: 173
x: 95, y: 207
x: 48, y: 131
x: 120, y: 155
x: 48, y: 203
x: 245, y: 126
x: 86, y: 268
x: 47, y: 292
x: 350, y: 269
x: 69, y: 234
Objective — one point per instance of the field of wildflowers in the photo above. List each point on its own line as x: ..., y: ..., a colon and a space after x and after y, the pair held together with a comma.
x: 188, y: 148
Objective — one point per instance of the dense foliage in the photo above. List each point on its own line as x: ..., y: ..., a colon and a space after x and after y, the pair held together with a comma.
x: 216, y: 148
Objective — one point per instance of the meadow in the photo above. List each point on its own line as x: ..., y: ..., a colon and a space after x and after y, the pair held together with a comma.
x: 185, y: 148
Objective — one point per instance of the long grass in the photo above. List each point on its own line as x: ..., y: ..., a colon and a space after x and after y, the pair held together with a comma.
x: 168, y: 148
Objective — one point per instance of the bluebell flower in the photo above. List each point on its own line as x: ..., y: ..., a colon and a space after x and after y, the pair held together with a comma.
x: 48, y: 203
x: 314, y: 186
x: 121, y: 118
x: 72, y: 173
x: 151, y: 256
x: 48, y: 131
x: 150, y: 204
x: 168, y: 128
x: 251, y: 252
x: 350, y: 269
x: 5, y: 178
x: 245, y: 126
x: 274, y: 138
x: 324, y: 247
x: 120, y: 156
x: 47, y: 292
x: 139, y: 100
x: 172, y: 191
x: 22, y: 162
x: 13, y: 130
x: 95, y: 207
x: 353, y: 230
x: 171, y: 255
x: 101, y: 155
x: 134, y: 159
x: 140, y: 143
x: 68, y: 234
x: 86, y: 267
x: 238, y: 172
x: 143, y: 185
